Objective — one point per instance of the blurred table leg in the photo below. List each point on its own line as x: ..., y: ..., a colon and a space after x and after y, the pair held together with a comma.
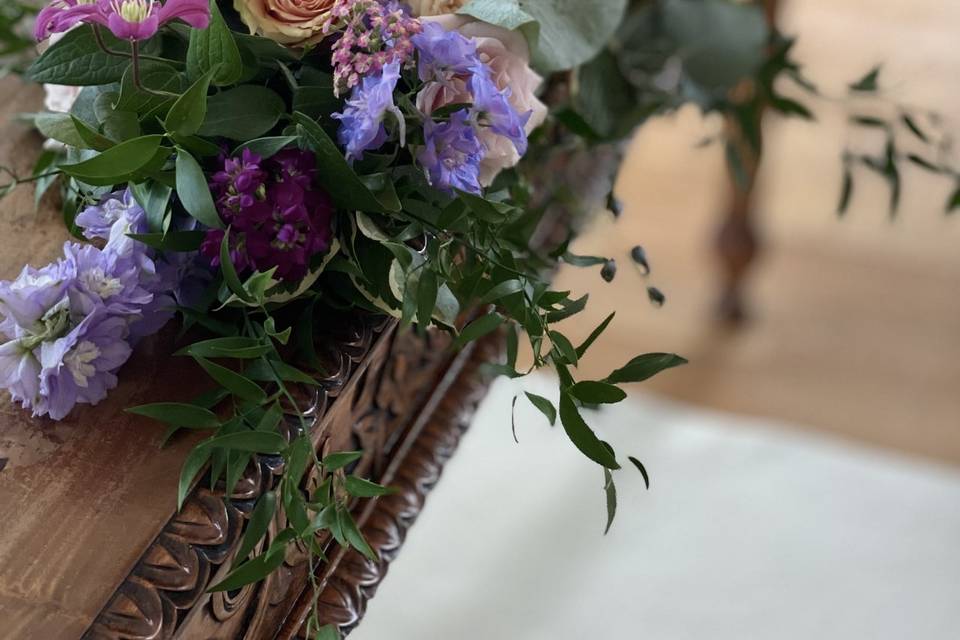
x: 737, y: 241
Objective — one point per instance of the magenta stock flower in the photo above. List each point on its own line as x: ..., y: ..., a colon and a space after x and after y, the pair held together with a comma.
x: 126, y: 19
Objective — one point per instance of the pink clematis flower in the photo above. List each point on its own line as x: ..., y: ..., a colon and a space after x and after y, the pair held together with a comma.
x: 126, y: 19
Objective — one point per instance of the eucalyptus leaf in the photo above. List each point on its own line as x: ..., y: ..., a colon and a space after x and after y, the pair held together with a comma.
x: 235, y: 383
x: 188, y: 416
x: 582, y: 435
x: 646, y: 366
x: 593, y: 392
x: 233, y: 347
x: 193, y: 191
x: 119, y: 163
x: 544, y: 406
x: 242, y: 113
x: 214, y: 50
x: 188, y: 112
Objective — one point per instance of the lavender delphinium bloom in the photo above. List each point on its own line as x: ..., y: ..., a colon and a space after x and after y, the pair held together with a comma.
x: 278, y: 216
x: 361, y: 123
x: 34, y: 308
x: 443, y: 54
x: 127, y: 19
x: 452, y: 153
x: 69, y: 326
x: 81, y: 366
x: 98, y: 221
x: 492, y: 107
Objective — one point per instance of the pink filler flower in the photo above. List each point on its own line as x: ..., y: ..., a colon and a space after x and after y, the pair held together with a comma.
x: 126, y: 19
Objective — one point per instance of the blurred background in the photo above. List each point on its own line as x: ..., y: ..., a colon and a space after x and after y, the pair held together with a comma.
x: 804, y: 465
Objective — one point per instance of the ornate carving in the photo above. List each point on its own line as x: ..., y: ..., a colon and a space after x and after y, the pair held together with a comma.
x: 374, y: 384
x: 350, y: 580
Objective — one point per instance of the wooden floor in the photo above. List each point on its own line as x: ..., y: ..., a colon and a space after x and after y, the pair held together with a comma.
x: 856, y: 322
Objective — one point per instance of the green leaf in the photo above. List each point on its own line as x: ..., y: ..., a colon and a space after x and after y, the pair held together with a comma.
x: 327, y: 632
x: 77, y: 60
x: 264, y: 372
x: 249, y: 572
x: 846, y: 191
x: 64, y: 128
x: 590, y: 392
x: 196, y: 460
x: 642, y: 469
x: 545, y: 406
x: 426, y: 296
x: 190, y: 109
x: 237, y: 347
x: 298, y: 457
x: 253, y: 441
x: 237, y: 384
x: 644, y: 367
x: 188, y: 416
x: 719, y: 42
x: 562, y: 33
x: 117, y: 164
x: 478, y: 328
x: 339, y: 179
x: 154, y: 197
x: 564, y: 347
x: 258, y: 525
x: 867, y: 83
x: 230, y: 276
x: 911, y: 124
x: 172, y: 240
x: 610, y: 489
x: 582, y: 349
x: 214, y: 50
x: 156, y: 76
x: 266, y: 147
x: 242, y: 113
x: 954, y: 202
x: 352, y: 533
x: 341, y: 459
x: 582, y: 435
x: 569, y: 308
x: 360, y: 488
x: 193, y: 191
x: 501, y: 290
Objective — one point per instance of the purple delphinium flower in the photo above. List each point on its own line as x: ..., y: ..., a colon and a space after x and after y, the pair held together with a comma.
x: 452, y: 153
x: 102, y: 278
x: 127, y: 19
x: 278, y: 216
x: 98, y: 220
x: 493, y: 109
x: 81, y: 366
x: 443, y: 54
x: 361, y: 123
x: 70, y: 325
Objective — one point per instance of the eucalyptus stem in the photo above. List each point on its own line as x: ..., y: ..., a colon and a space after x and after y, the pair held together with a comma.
x: 17, y: 181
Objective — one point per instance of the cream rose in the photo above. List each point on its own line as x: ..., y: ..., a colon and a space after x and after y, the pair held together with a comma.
x: 424, y: 8
x: 291, y: 22
x: 507, y: 54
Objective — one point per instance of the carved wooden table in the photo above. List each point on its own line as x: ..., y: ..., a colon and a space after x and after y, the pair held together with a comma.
x: 91, y: 544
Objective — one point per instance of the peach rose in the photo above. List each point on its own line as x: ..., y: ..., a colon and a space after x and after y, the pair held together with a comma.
x: 507, y: 54
x: 290, y: 22
x: 435, y: 7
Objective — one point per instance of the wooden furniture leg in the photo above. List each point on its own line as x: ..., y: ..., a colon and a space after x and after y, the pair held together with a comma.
x: 737, y: 240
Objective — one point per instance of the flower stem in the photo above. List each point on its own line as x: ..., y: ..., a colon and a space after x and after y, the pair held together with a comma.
x: 103, y: 45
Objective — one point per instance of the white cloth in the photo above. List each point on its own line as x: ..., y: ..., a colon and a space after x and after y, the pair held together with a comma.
x: 751, y: 529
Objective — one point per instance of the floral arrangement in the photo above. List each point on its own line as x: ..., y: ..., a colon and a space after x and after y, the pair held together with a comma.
x: 234, y: 165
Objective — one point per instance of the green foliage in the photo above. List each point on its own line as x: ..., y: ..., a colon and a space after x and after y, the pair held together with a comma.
x: 78, y: 60
x: 214, y: 50
x: 562, y: 33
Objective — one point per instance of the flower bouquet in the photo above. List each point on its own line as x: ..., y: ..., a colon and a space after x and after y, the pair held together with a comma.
x: 235, y: 168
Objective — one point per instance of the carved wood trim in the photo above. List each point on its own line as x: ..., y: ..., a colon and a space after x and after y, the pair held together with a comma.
x: 350, y: 580
x: 384, y: 393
